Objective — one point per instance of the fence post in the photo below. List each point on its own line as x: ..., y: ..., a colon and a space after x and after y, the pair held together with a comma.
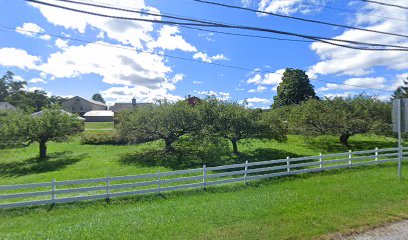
x: 107, y: 188
x: 158, y: 181
x: 350, y: 157
x: 53, y: 197
x: 245, y: 171
x: 376, y: 154
x: 205, y: 177
x: 288, y: 163
x: 320, y: 160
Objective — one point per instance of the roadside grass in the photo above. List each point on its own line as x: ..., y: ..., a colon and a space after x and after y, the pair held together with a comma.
x: 98, y: 125
x: 301, y: 207
x: 71, y: 160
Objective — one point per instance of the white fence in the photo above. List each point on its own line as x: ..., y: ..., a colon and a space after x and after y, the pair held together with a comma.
x: 109, y: 187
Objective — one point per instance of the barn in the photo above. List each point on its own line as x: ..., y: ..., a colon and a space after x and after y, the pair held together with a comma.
x: 81, y: 105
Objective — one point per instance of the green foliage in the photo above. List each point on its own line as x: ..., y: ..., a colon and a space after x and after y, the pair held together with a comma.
x: 234, y: 122
x: 167, y: 121
x: 98, y: 97
x: 101, y: 137
x: 53, y: 125
x: 294, y: 89
x: 8, y: 87
x: 342, y: 117
x: 401, y: 91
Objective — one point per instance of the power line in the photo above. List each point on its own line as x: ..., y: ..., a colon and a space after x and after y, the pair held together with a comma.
x: 386, y: 4
x: 212, y: 24
x: 300, y: 19
x: 169, y: 15
x: 354, y: 12
x: 177, y: 57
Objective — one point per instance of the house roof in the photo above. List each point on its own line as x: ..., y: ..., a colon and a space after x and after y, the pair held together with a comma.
x: 40, y: 113
x: 88, y: 100
x: 99, y: 113
x: 6, y: 105
x: 126, y: 106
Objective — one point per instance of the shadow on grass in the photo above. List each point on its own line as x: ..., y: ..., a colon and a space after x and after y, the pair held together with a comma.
x: 54, y: 162
x: 332, y: 145
x: 191, y: 158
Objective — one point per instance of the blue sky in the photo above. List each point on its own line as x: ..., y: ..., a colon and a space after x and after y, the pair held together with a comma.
x: 68, y: 68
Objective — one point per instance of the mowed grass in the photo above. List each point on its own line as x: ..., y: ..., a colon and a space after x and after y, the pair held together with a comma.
x: 98, y: 125
x: 304, y: 207
x: 71, y: 160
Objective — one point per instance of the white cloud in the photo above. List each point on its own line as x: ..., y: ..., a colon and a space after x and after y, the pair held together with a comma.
x: 61, y: 43
x: 13, y: 57
x: 205, y: 58
x: 124, y: 31
x: 342, y: 95
x: 45, y: 37
x: 220, y: 95
x: 197, y: 82
x: 169, y: 40
x: 257, y: 100
x: 37, y: 80
x: 267, y: 79
x: 258, y: 89
x: 341, y: 61
x: 114, y: 65
x: 288, y: 6
x: 29, y: 29
x: 358, y: 83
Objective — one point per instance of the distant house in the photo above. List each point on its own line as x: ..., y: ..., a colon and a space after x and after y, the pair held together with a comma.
x: 193, y: 100
x: 99, y: 116
x: 81, y: 105
x: 6, y: 106
x: 127, y: 106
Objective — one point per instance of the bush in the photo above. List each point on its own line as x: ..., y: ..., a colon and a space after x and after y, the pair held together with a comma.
x: 99, y: 138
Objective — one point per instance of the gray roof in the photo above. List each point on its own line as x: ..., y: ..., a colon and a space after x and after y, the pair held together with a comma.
x: 40, y: 113
x: 126, y: 106
x: 99, y: 113
x: 91, y: 101
x: 6, y: 106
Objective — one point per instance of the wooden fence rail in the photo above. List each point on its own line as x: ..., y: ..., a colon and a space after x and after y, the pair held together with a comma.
x: 109, y: 187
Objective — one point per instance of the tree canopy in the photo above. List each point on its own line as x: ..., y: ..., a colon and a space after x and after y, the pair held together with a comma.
x: 19, y: 128
x: 401, y: 91
x: 98, y: 97
x: 342, y: 117
x: 294, y: 88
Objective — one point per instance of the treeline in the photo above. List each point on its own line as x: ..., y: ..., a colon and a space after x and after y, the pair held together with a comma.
x: 15, y: 92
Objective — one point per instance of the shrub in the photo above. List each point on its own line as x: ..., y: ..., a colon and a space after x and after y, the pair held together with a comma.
x: 99, y: 138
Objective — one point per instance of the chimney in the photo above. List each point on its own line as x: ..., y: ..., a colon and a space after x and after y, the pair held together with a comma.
x: 134, y: 102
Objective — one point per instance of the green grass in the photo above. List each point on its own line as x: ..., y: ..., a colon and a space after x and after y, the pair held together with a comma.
x: 98, y: 125
x: 302, y: 207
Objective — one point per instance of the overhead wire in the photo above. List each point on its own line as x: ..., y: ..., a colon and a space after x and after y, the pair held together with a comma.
x: 386, y: 4
x: 299, y: 18
x: 211, y: 24
x: 177, y: 57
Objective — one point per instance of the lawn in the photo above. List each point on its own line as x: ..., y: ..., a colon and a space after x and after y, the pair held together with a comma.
x: 98, y: 125
x: 302, y: 207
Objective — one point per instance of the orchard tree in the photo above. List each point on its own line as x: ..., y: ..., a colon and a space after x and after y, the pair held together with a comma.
x: 164, y: 120
x: 235, y: 122
x: 52, y: 125
x: 342, y: 117
x: 294, y: 88
x: 98, y: 97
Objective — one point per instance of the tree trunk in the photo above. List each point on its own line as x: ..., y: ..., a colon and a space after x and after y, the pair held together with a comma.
x: 234, y: 146
x: 168, y: 147
x: 344, y: 139
x: 43, y: 150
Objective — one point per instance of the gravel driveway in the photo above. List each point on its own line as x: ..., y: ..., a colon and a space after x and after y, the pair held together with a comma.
x: 394, y: 231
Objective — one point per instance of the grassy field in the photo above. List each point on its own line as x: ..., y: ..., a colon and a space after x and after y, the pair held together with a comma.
x: 303, y: 207
x: 98, y: 125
